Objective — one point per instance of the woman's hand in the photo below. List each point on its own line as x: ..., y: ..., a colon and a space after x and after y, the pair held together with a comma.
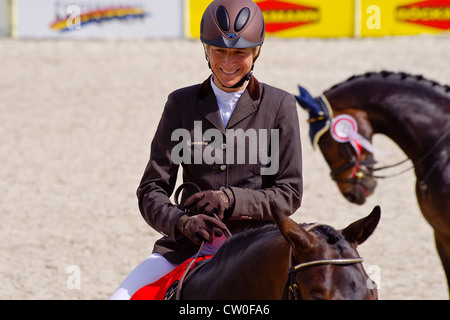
x: 200, y: 228
x: 219, y: 202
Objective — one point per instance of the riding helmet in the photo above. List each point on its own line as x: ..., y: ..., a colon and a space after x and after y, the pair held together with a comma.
x: 233, y: 24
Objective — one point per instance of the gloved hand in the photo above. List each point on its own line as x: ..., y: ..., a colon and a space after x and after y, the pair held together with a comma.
x: 208, y: 202
x: 200, y: 227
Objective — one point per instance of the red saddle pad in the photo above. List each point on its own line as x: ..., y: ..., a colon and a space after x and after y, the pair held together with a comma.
x: 157, y: 289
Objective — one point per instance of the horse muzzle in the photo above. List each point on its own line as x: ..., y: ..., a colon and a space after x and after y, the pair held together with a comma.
x: 357, y: 191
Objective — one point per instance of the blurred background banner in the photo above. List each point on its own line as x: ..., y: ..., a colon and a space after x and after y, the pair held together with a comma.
x: 290, y: 18
x: 99, y: 18
x: 346, y: 18
x: 404, y: 17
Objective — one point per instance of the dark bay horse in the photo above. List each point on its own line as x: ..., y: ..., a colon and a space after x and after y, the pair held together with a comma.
x: 287, y: 260
x: 412, y: 111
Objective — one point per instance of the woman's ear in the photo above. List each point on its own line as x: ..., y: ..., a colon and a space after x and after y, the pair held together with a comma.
x: 206, y: 48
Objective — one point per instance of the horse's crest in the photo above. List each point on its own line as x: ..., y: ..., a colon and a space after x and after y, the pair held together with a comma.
x: 320, y: 114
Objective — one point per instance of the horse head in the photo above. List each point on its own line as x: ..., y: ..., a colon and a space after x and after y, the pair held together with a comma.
x: 351, y: 161
x: 329, y: 266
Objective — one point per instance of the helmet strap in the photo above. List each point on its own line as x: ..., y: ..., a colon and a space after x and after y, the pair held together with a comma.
x: 240, y: 82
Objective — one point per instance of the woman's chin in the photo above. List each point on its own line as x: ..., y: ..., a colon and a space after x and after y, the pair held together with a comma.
x: 228, y: 82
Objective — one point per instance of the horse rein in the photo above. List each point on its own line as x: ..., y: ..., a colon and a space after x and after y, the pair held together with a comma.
x: 294, y: 290
x: 194, y: 258
x: 420, y: 160
x: 358, y: 175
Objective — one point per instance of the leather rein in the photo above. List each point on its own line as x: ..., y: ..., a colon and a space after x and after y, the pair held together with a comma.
x: 178, y: 287
x: 293, y: 288
x: 369, y: 163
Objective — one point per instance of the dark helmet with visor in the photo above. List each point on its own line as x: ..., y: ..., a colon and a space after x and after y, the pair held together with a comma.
x: 233, y: 24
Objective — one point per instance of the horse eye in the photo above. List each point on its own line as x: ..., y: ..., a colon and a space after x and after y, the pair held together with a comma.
x: 317, y: 294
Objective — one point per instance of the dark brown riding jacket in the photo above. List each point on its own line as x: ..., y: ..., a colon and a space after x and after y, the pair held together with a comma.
x: 258, y: 155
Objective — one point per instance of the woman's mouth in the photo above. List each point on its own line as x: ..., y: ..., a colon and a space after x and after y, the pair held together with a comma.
x: 229, y: 73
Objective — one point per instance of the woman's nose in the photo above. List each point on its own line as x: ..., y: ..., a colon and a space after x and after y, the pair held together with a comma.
x: 229, y: 59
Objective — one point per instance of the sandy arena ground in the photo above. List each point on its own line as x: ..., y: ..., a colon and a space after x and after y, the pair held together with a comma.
x: 77, y: 118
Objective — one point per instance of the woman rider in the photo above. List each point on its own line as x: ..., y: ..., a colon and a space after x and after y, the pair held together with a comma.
x: 236, y: 191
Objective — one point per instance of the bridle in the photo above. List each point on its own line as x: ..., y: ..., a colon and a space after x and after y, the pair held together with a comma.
x: 355, y: 163
x: 369, y: 163
x: 321, y: 110
x: 292, y: 291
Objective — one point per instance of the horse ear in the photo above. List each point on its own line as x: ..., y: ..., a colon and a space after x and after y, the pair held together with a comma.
x: 292, y: 231
x: 360, y: 230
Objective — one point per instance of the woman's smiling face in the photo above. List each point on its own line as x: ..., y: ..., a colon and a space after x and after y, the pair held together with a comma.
x: 230, y: 65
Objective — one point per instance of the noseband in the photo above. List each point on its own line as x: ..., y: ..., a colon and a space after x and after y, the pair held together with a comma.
x: 355, y: 163
x: 294, y: 290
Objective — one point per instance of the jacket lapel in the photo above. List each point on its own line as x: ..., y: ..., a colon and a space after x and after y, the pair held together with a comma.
x: 208, y: 106
x: 247, y: 104
x: 244, y: 108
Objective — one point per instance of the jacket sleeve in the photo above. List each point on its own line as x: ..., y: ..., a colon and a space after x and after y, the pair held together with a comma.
x: 285, y: 186
x: 159, y: 178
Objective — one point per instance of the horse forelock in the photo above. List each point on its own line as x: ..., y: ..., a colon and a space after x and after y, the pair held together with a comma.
x: 399, y: 76
x: 332, y: 235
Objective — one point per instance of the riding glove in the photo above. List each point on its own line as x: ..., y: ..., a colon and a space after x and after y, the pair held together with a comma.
x: 200, y: 227
x: 219, y: 202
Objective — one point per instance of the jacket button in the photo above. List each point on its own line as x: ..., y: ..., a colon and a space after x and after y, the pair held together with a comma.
x: 223, y: 167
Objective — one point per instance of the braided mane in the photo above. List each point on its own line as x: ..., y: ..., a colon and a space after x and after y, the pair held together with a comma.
x: 401, y: 76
